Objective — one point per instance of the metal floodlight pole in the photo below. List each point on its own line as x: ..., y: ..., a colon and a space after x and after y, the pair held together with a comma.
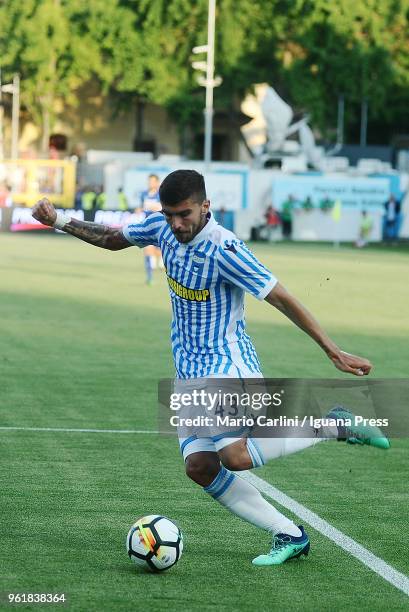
x: 209, y: 85
x: 209, y: 81
x: 15, y: 121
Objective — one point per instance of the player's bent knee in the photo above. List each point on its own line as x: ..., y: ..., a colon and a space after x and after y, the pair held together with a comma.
x: 202, y: 468
x: 235, y: 457
x: 237, y: 464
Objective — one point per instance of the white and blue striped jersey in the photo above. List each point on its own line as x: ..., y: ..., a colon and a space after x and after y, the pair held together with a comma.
x: 207, y: 279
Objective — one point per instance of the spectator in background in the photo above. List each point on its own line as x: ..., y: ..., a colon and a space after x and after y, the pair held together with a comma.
x: 150, y: 197
x: 88, y: 202
x: 122, y: 201
x: 272, y: 222
x: 391, y: 219
x: 287, y: 216
x: 101, y: 199
x: 326, y: 204
x: 365, y: 229
x: 307, y: 204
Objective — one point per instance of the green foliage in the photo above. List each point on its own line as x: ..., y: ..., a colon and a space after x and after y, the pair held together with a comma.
x: 310, y: 50
x: 169, y: 30
x: 58, y: 46
x: 358, y: 49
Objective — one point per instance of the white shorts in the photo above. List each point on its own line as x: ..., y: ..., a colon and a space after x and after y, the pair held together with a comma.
x: 204, y: 438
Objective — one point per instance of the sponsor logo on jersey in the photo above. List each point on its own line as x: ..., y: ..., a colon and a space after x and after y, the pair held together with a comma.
x: 194, y: 295
x: 229, y: 246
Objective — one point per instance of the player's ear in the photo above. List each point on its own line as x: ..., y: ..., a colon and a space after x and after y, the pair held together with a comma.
x: 205, y: 207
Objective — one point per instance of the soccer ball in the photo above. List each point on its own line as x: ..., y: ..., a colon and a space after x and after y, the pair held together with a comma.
x: 154, y: 543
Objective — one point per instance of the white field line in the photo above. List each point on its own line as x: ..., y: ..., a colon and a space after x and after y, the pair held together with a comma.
x: 76, y: 430
x: 376, y: 564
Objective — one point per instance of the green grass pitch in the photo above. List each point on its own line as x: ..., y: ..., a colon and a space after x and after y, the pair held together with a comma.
x: 84, y: 342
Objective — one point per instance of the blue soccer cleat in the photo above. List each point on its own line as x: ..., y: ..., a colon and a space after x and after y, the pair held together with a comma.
x: 284, y: 547
x: 357, y: 433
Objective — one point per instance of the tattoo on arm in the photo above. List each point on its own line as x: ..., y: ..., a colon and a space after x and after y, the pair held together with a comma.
x: 99, y: 235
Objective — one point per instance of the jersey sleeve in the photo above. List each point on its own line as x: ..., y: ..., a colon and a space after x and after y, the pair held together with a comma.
x: 145, y: 233
x: 238, y: 266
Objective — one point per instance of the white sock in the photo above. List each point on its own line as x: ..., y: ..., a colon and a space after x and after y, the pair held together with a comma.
x: 262, y: 450
x: 243, y: 499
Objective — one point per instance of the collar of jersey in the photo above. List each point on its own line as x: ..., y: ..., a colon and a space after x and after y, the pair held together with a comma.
x: 202, y: 235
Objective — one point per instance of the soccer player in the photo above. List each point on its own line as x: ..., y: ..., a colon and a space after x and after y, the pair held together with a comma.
x: 150, y: 203
x: 209, y: 270
x: 150, y: 200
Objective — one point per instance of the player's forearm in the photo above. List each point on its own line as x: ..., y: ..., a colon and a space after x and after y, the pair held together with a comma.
x: 99, y: 235
x: 300, y: 316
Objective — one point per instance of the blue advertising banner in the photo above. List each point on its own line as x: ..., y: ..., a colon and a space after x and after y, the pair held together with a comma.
x: 360, y: 193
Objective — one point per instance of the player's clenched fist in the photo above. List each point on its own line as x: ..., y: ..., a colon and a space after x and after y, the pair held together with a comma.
x: 44, y: 212
x: 351, y: 363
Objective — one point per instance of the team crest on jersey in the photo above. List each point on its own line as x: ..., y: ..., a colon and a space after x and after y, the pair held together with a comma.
x: 193, y: 295
x: 198, y: 258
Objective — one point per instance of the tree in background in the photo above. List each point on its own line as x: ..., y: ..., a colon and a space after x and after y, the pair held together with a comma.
x: 58, y: 46
x: 311, y: 51
x: 314, y: 51
x: 353, y: 48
